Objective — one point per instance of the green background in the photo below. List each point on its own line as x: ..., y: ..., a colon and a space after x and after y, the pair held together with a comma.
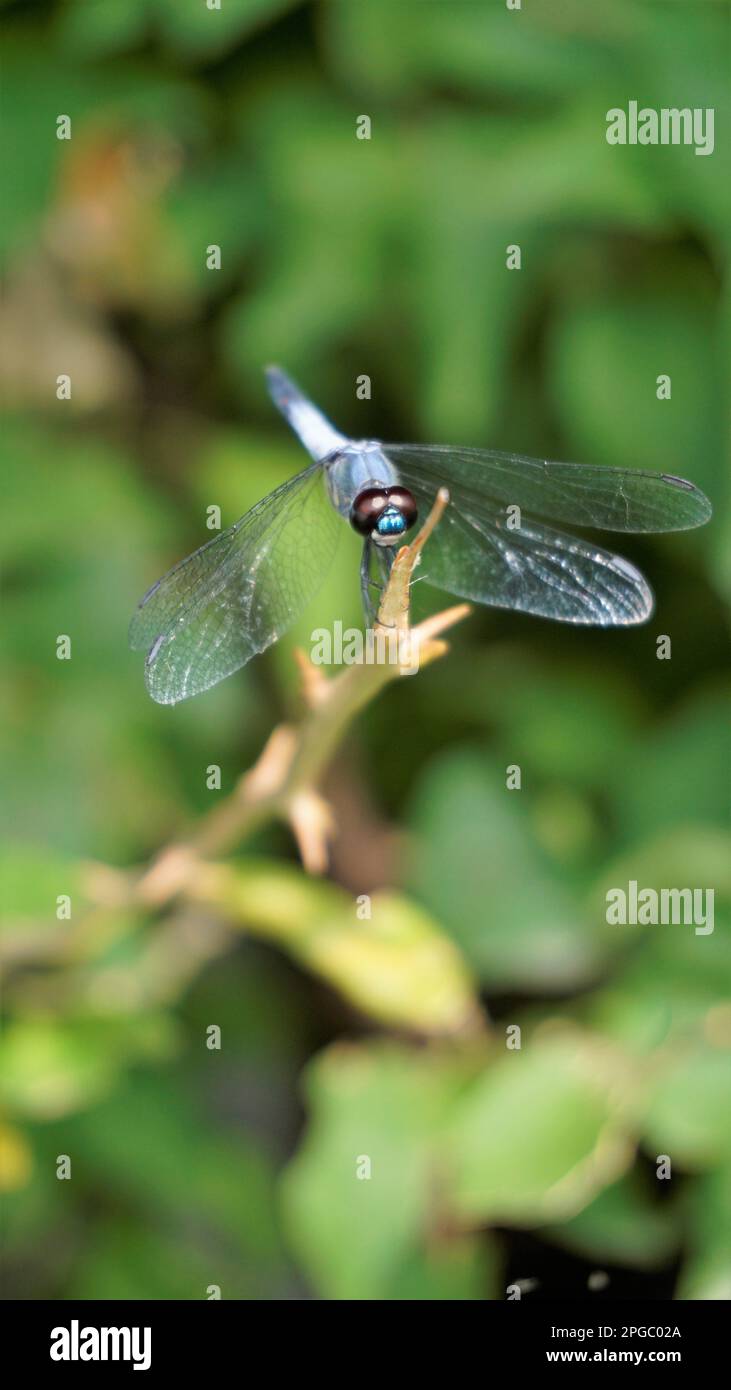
x: 341, y: 1038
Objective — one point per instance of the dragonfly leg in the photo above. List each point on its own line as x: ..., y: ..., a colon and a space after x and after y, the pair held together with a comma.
x: 368, y: 585
x: 372, y: 587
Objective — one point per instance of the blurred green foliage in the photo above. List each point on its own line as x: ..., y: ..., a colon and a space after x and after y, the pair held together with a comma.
x: 194, y: 1167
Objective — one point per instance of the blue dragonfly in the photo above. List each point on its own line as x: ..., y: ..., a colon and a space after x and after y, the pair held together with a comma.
x: 236, y: 595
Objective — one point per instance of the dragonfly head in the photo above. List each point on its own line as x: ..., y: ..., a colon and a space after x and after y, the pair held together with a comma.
x: 383, y: 513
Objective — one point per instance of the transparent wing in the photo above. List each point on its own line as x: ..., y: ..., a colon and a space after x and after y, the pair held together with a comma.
x: 179, y: 589
x: 239, y: 593
x: 375, y: 568
x: 611, y: 499
x: 535, y: 569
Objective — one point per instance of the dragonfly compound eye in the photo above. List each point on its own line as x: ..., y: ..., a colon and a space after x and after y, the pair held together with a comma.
x: 384, y: 513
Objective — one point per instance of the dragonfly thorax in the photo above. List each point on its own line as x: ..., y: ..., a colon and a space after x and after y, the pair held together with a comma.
x: 364, y: 486
x: 359, y: 465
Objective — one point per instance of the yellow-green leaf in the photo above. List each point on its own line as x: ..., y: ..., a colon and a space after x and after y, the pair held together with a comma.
x: 395, y: 965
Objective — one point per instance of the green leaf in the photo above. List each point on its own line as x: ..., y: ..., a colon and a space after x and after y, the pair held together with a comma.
x: 376, y: 1110
x: 194, y: 28
x: 129, y: 1259
x: 202, y: 31
x: 532, y: 702
x: 83, y: 540
x: 395, y: 966
x: 707, y: 1271
x: 476, y: 48
x: 672, y: 775
x: 477, y: 868
x: 540, y: 1133
x: 16, y: 1159
x: 90, y: 28
x: 675, y: 972
x: 151, y: 1146
x: 32, y: 877
x: 622, y: 1226
x: 105, y: 103
x: 450, y: 1269
x: 687, y: 1114
x: 49, y: 1070
x: 613, y: 346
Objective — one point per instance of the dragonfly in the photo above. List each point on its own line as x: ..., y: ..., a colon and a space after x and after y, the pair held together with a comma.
x: 241, y: 591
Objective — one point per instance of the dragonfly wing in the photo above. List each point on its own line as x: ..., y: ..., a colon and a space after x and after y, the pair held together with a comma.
x: 473, y: 554
x: 236, y: 595
x: 179, y: 590
x: 611, y: 499
x: 367, y: 583
x: 375, y: 569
